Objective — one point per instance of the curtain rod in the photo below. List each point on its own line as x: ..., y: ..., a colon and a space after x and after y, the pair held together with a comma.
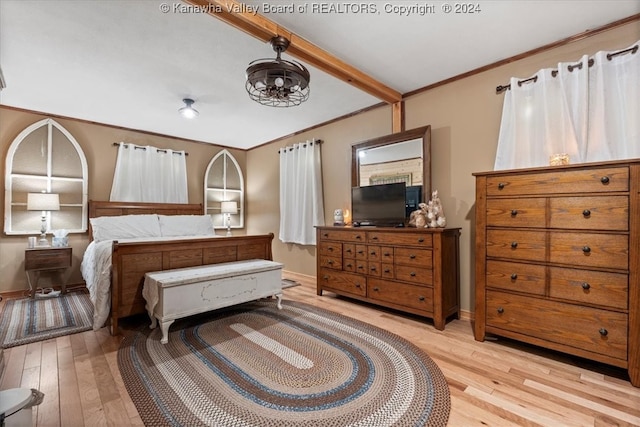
x: 304, y: 144
x: 610, y: 56
x: 137, y: 147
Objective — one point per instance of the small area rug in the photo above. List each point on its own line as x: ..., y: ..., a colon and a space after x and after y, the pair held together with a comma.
x: 255, y: 365
x: 28, y: 320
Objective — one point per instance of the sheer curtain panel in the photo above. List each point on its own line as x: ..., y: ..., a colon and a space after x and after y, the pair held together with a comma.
x: 301, y: 197
x: 588, y: 109
x: 149, y: 174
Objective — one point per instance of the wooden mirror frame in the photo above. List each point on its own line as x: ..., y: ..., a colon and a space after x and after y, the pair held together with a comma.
x: 417, y: 133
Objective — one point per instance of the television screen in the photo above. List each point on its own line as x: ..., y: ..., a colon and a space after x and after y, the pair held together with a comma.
x: 379, y: 205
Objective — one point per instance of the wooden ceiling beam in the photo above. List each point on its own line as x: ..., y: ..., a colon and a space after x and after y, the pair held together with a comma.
x: 242, y: 17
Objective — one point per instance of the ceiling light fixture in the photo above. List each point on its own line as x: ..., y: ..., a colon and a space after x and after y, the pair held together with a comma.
x: 278, y: 82
x: 188, y: 111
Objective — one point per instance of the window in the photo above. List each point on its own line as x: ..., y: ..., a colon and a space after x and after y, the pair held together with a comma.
x: 45, y: 157
x: 223, y: 182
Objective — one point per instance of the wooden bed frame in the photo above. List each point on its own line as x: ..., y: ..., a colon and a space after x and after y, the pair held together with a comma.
x: 130, y: 261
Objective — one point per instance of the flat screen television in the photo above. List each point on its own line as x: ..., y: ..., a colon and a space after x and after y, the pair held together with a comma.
x: 380, y: 205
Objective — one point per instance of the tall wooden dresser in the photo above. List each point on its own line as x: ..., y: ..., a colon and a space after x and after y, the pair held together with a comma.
x: 408, y: 269
x: 557, y: 259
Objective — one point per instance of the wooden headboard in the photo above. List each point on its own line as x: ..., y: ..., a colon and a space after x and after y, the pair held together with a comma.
x: 103, y: 208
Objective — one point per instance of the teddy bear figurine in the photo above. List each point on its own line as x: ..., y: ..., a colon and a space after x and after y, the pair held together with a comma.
x: 438, y: 220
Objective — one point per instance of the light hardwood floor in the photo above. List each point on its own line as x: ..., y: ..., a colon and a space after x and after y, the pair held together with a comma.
x: 492, y: 383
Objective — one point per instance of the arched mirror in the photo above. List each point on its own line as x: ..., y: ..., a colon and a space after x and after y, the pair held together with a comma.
x: 399, y: 157
x: 223, y: 182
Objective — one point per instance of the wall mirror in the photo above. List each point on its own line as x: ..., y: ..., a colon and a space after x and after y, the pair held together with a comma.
x: 399, y: 157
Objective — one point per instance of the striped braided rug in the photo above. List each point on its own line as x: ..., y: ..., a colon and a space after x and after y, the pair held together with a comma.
x: 255, y: 365
x: 24, y: 321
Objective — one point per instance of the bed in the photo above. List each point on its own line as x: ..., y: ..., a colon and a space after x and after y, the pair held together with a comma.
x: 126, y: 244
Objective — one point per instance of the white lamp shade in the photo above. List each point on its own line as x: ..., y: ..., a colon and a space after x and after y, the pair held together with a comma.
x: 229, y: 208
x: 43, y: 202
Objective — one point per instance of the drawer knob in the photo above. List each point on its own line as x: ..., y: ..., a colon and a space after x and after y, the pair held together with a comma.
x: 421, y: 298
x: 412, y: 274
x: 373, y: 269
x: 604, y: 180
x: 501, y: 186
x: 412, y: 256
x: 349, y: 251
x: 500, y: 310
x: 349, y: 265
x: 357, y: 285
x: 514, y: 245
x: 326, y: 235
x: 325, y: 277
x: 514, y: 212
x: 330, y: 262
x: 386, y: 270
x: 387, y: 254
x: 360, y: 267
x: 586, y: 213
x: 360, y: 252
x: 374, y: 238
x: 372, y: 252
x: 586, y: 249
x: 586, y: 286
x: 330, y: 249
x: 358, y: 237
x: 514, y: 276
x: 376, y: 289
x: 603, y: 332
x: 421, y: 240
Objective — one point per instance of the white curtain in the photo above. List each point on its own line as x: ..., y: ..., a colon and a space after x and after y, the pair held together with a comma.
x: 588, y: 109
x: 149, y: 174
x: 301, y: 199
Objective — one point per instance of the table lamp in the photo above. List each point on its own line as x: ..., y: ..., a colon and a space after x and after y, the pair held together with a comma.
x: 229, y: 208
x: 43, y: 202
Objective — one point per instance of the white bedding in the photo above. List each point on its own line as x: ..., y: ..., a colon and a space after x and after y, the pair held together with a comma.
x: 96, y: 272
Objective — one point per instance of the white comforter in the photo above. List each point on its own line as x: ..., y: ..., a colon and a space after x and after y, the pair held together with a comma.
x: 96, y: 272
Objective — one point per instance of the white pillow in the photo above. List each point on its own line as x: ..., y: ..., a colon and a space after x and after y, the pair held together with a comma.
x: 125, y: 227
x: 185, y: 225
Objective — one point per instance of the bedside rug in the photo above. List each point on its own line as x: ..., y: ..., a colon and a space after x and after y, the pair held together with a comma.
x: 26, y: 320
x: 255, y: 365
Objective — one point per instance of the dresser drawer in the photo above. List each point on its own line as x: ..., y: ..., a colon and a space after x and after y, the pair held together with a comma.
x: 387, y: 270
x: 413, y: 257
x: 513, y: 276
x: 348, y: 250
x: 590, y: 287
x: 343, y: 235
x: 526, y: 212
x: 521, y: 245
x: 342, y: 282
x: 402, y: 238
x: 386, y: 254
x: 333, y: 249
x: 361, y: 251
x: 373, y: 253
x: 585, y: 328
x: 416, y: 297
x: 590, y: 250
x: 349, y: 264
x: 374, y: 268
x: 590, y: 213
x: 595, y: 180
x: 422, y: 276
x: 331, y: 262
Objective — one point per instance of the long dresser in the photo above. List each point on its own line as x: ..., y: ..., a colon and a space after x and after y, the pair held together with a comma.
x: 408, y: 269
x: 557, y: 258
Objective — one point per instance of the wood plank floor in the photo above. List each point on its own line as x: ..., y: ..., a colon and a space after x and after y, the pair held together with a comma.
x: 491, y: 383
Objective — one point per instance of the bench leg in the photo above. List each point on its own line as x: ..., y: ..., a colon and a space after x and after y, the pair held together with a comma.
x: 279, y: 296
x: 165, y: 331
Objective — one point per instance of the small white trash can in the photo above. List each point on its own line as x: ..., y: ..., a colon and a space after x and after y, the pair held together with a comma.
x: 16, y: 404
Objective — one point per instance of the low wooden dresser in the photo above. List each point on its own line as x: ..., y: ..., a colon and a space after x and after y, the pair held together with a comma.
x: 408, y: 269
x: 557, y: 258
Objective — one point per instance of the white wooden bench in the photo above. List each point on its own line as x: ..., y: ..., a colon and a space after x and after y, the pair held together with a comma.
x: 174, y: 294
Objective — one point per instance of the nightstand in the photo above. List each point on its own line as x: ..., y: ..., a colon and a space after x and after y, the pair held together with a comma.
x: 51, y: 259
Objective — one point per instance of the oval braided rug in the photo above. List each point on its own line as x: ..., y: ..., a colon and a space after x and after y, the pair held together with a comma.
x: 255, y: 365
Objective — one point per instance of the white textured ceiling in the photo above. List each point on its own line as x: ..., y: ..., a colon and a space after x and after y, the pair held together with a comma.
x: 130, y: 63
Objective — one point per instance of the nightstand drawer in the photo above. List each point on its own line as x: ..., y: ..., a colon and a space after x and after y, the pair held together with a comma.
x: 45, y: 259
